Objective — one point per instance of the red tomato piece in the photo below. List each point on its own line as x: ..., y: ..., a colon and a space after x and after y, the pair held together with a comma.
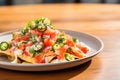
x: 36, y: 32
x: 24, y: 38
x: 70, y: 43
x: 83, y: 48
x: 30, y: 43
x: 26, y: 53
x: 47, y: 32
x: 17, y: 39
x: 53, y: 34
x: 48, y: 42
x: 62, y: 51
x: 16, y: 36
x: 50, y: 32
x: 40, y: 59
x: 22, y: 47
x: 28, y: 34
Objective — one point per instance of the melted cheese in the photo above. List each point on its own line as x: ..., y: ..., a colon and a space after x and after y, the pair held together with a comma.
x: 16, y: 54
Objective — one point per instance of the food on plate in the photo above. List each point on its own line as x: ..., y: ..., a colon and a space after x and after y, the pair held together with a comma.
x: 39, y: 42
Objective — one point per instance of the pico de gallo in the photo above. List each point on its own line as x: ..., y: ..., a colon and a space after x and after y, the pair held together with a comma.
x: 39, y: 42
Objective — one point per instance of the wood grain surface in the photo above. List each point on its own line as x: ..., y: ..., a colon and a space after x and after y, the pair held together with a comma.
x: 101, y: 20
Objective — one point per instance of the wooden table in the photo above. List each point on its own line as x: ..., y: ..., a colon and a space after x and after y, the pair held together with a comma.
x: 102, y: 20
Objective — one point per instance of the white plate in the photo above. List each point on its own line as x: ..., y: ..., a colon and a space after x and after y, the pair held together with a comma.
x: 94, y: 43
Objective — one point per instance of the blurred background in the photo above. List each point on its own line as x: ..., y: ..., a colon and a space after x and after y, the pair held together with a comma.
x: 18, y: 2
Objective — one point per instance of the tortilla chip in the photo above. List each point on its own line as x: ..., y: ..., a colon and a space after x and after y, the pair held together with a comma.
x: 8, y: 53
x: 27, y: 58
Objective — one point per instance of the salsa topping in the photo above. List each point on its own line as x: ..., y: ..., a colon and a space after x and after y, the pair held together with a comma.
x: 39, y: 42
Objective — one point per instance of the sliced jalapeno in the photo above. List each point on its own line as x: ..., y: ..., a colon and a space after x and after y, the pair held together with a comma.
x: 46, y: 21
x: 4, y: 45
x: 52, y: 27
x: 55, y: 47
x: 32, y: 24
x: 75, y: 40
x: 61, y: 41
x: 69, y: 57
x: 42, y: 28
x: 24, y: 31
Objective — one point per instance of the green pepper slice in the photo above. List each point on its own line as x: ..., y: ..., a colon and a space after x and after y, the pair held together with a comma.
x: 46, y: 21
x: 55, y: 47
x: 69, y: 57
x: 4, y: 45
x: 42, y: 28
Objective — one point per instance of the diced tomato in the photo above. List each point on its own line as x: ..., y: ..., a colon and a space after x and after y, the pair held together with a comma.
x: 48, y: 42
x: 50, y: 32
x: 59, y: 57
x: 53, y: 34
x: 24, y: 38
x: 47, y: 32
x: 28, y: 34
x: 26, y: 53
x: 62, y: 51
x: 22, y: 47
x: 36, y: 32
x: 83, y: 48
x: 16, y: 36
x: 70, y: 43
x: 40, y: 59
x: 17, y: 39
x: 30, y: 43
x: 40, y: 34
